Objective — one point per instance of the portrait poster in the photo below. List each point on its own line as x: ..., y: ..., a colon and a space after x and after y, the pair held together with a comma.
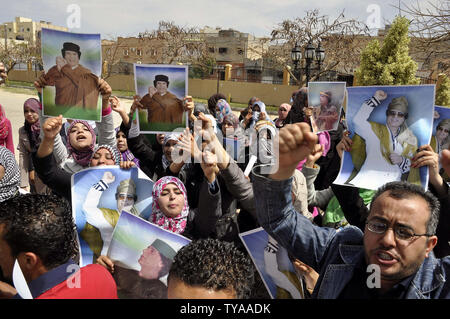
x: 440, y: 138
x: 162, y: 89
x: 72, y: 66
x: 327, y: 100
x: 387, y: 124
x: 273, y: 264
x: 98, y: 195
x: 142, y: 254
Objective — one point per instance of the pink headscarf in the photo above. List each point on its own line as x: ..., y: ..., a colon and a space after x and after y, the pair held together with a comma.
x: 3, y: 124
x: 325, y: 140
x: 174, y: 224
x: 81, y: 157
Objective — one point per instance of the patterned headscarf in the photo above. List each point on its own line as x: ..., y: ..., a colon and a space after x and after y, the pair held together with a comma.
x: 168, y: 137
x: 175, y: 224
x: 231, y: 119
x: 224, y: 109
x: 33, y: 130
x: 81, y: 157
x: 112, y: 150
x: 3, y: 124
x: 9, y: 183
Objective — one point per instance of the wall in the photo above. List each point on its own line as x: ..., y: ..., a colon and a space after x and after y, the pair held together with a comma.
x: 240, y: 92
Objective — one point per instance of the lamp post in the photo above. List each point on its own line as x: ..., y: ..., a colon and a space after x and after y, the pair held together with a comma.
x: 296, y: 56
x: 320, y: 56
x: 309, y: 56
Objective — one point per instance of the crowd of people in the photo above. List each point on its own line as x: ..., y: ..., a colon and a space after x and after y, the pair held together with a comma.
x: 218, y: 178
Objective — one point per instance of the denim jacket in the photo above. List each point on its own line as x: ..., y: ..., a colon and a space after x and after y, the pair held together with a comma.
x: 333, y: 254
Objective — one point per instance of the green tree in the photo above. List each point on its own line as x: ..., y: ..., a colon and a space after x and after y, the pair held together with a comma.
x: 443, y: 92
x: 390, y: 63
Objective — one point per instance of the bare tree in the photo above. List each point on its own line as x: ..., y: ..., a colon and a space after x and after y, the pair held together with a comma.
x: 342, y: 38
x: 168, y: 44
x: 18, y: 52
x: 430, y: 28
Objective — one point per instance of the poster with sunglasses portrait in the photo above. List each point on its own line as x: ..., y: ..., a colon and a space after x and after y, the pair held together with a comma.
x: 274, y: 265
x: 99, y: 195
x: 440, y: 139
x: 142, y: 254
x: 326, y: 100
x: 161, y: 89
x: 387, y: 124
x: 72, y: 66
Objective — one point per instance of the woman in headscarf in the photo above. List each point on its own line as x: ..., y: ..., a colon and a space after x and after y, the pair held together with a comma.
x: 9, y: 175
x: 170, y: 207
x: 233, y: 137
x: 55, y: 177
x: 222, y: 109
x: 122, y: 146
x: 283, y: 111
x: 28, y: 143
x: 6, y: 137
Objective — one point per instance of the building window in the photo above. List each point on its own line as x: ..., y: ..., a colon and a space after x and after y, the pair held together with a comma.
x: 28, y: 29
x: 240, y: 51
x: 139, y: 52
x: 125, y: 52
x: 211, y: 50
x: 108, y: 51
x: 223, y: 50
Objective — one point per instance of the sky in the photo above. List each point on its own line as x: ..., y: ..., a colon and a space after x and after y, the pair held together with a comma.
x: 114, y: 18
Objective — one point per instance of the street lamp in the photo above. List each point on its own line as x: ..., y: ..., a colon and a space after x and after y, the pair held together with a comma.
x: 309, y: 56
x: 296, y: 56
x: 320, y: 56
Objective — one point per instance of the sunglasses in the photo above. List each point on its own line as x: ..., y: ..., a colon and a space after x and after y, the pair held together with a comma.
x: 443, y: 129
x: 398, y: 114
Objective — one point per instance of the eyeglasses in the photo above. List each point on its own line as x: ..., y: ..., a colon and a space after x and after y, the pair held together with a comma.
x: 125, y: 196
x: 401, y: 232
x: 283, y: 110
x: 393, y: 113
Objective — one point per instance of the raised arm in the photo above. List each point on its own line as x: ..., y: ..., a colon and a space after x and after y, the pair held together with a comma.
x: 273, y: 199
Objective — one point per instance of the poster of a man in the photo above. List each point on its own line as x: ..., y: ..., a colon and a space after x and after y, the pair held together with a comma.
x: 273, y: 264
x: 162, y: 88
x: 326, y: 99
x: 142, y: 254
x: 72, y: 66
x: 99, y: 196
x: 387, y: 125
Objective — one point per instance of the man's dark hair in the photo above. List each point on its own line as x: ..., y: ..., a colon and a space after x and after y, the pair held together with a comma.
x: 212, y: 101
x: 404, y: 190
x: 214, y: 264
x: 42, y: 224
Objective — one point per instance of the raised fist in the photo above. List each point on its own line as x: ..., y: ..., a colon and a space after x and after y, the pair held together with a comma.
x: 380, y: 95
x: 108, y: 177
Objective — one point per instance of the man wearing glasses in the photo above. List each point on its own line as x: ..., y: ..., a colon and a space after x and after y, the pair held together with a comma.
x: 388, y: 148
x: 391, y: 259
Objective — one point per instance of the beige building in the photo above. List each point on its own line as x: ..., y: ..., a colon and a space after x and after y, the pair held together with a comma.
x: 242, y: 51
x: 26, y: 29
